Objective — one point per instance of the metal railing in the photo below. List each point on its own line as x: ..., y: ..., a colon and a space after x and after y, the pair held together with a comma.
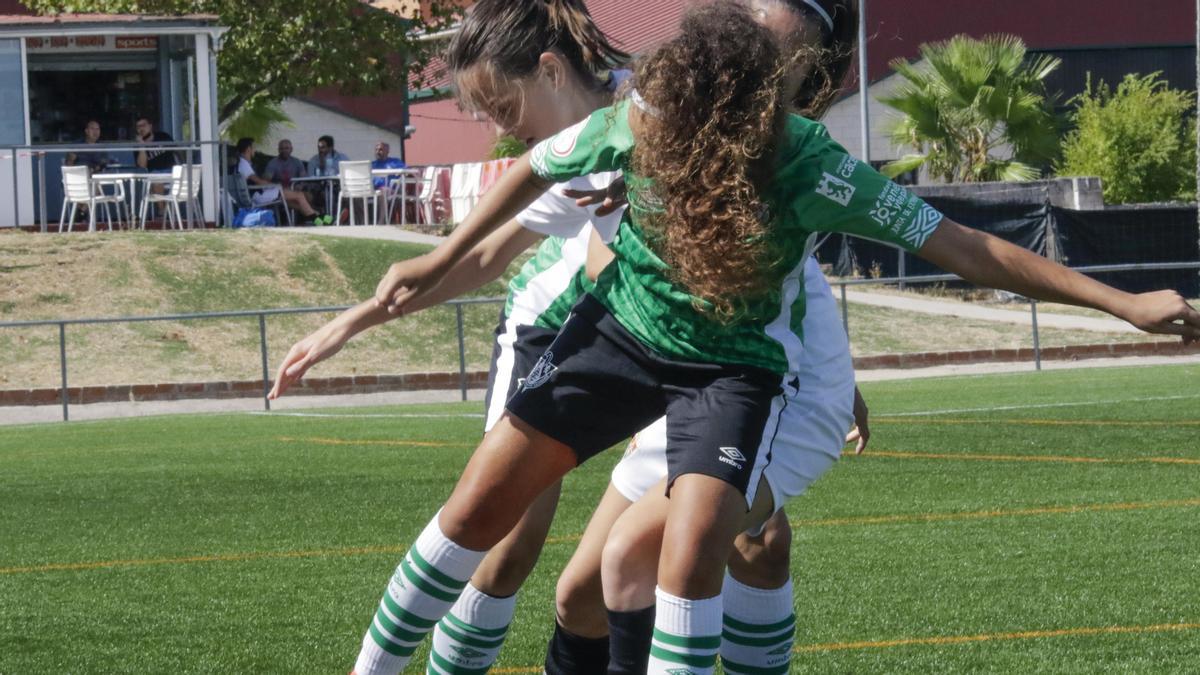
x: 458, y: 305
x: 262, y: 315
x: 187, y: 149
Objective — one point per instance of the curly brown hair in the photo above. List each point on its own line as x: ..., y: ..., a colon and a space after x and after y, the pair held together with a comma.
x: 717, y: 93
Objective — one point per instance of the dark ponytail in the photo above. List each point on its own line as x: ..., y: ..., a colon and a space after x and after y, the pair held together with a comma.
x: 825, y: 82
x: 507, y: 38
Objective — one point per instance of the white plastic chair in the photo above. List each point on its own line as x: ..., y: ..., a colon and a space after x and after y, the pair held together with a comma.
x: 184, y: 186
x: 78, y: 189
x: 426, y: 196
x: 279, y: 203
x: 356, y: 183
x: 460, y: 191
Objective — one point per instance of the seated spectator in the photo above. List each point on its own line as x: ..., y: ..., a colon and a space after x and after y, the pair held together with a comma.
x: 284, y: 167
x: 96, y: 160
x: 272, y: 193
x: 327, y: 159
x: 384, y: 161
x: 158, y: 160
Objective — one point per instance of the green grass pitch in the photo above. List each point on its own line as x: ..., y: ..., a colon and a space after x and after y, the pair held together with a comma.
x: 1013, y: 523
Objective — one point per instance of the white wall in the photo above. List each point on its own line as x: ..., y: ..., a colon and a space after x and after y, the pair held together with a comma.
x: 844, y: 122
x: 24, y: 210
x: 352, y: 137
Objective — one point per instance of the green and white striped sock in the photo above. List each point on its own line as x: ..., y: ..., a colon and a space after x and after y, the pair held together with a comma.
x: 468, y: 639
x: 759, y: 629
x: 421, y: 591
x: 687, y: 635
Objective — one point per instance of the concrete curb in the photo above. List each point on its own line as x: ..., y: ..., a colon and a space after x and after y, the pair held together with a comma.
x: 369, y: 384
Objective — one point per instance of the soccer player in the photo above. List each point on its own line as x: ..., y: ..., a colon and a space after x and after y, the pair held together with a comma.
x: 724, y: 190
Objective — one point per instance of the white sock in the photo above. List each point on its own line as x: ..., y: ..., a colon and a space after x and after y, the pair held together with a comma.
x: 470, y: 636
x: 759, y: 628
x: 420, y: 593
x: 687, y: 635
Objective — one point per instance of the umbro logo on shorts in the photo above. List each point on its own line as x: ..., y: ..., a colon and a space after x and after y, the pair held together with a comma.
x: 542, y: 370
x: 680, y: 671
x: 732, y: 456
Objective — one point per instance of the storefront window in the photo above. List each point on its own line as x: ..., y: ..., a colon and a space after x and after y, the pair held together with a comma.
x: 109, y: 79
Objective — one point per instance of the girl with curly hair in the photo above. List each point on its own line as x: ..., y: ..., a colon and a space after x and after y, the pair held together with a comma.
x: 659, y: 334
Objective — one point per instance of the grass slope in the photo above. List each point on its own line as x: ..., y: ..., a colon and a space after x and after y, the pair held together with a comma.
x: 1037, y: 522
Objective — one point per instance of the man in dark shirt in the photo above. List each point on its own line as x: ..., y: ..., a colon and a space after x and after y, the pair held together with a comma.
x: 95, y: 160
x: 154, y: 159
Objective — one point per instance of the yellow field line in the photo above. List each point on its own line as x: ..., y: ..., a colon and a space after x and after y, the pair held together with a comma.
x: 996, y: 513
x: 1067, y: 459
x: 388, y: 442
x: 990, y: 637
x: 827, y: 522
x: 1037, y: 422
x: 960, y: 639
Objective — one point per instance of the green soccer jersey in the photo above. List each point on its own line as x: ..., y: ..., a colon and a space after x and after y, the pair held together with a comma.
x: 817, y: 187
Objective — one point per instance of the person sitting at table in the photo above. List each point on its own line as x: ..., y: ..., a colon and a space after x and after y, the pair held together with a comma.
x: 271, y: 192
x: 327, y: 159
x: 383, y: 160
x: 284, y: 167
x: 154, y: 160
x: 95, y: 160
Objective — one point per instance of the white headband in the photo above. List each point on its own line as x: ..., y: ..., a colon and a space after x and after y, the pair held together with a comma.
x: 643, y: 104
x: 821, y: 11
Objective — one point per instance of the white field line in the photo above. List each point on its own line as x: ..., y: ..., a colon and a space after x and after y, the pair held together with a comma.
x: 969, y: 311
x: 1033, y: 406
x: 372, y: 415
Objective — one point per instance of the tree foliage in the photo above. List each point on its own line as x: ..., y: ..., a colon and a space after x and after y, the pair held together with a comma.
x: 975, y: 110
x: 280, y: 48
x: 1140, y: 140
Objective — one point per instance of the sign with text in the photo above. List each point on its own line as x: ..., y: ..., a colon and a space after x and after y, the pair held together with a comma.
x: 67, y: 44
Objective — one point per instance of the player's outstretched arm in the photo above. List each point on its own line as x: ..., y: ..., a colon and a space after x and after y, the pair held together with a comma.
x: 989, y: 261
x: 485, y: 263
x: 515, y: 190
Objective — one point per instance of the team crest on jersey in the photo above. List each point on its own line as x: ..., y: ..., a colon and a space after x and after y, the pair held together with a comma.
x: 835, y: 189
x: 542, y: 370
x: 564, y: 141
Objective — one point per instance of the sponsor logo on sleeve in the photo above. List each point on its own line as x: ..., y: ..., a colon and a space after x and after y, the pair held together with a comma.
x: 835, y: 189
x: 905, y: 215
x: 847, y: 167
x: 563, y: 143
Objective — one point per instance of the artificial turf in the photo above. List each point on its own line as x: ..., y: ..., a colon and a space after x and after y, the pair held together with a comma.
x: 1037, y: 522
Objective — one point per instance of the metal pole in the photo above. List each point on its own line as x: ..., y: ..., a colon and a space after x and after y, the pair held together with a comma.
x: 262, y: 345
x: 42, y: 189
x: 864, y: 84
x: 1037, y: 344
x: 462, y: 353
x: 16, y: 192
x: 901, y: 267
x: 62, y: 360
x: 845, y: 312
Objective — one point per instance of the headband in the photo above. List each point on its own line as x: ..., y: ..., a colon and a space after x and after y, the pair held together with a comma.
x: 814, y: 6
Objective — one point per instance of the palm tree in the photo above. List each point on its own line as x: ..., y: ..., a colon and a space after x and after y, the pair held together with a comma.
x: 975, y: 111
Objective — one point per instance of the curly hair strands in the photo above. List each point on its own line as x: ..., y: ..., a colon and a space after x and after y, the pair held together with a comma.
x: 718, y: 93
x: 501, y: 41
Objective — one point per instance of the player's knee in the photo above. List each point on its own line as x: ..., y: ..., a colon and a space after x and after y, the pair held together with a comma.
x: 579, y: 603
x: 763, y: 560
x: 470, y: 521
x: 504, y: 574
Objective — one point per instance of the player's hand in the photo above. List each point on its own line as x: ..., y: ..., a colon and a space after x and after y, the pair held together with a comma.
x: 1166, y: 313
x: 404, y: 280
x: 609, y: 199
x: 860, y: 435
x: 320, y: 345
